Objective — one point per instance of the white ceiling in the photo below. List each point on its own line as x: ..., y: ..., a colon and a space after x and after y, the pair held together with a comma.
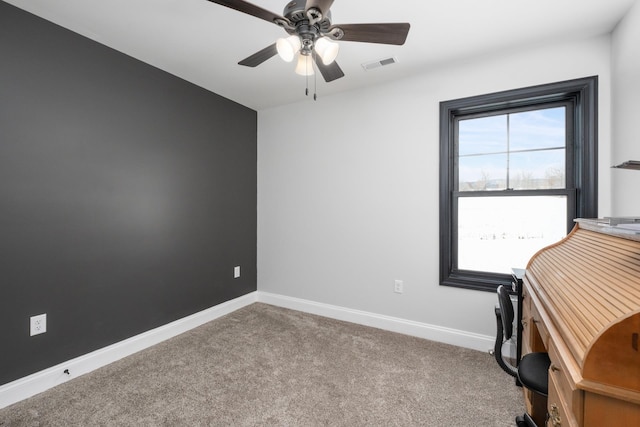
x: 202, y: 42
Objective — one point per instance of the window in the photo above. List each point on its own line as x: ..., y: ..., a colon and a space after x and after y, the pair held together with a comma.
x: 516, y: 168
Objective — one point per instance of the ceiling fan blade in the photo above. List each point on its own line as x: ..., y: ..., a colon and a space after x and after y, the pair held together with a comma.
x: 329, y: 72
x: 248, y: 8
x: 374, y: 33
x: 322, y: 5
x: 259, y: 57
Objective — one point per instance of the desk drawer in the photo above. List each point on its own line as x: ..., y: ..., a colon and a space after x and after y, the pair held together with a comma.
x: 605, y: 411
x: 571, y: 397
x: 538, y: 331
x: 526, y: 328
x: 557, y: 408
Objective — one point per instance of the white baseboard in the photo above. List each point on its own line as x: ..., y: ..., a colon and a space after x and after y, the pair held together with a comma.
x: 38, y: 382
x: 394, y: 324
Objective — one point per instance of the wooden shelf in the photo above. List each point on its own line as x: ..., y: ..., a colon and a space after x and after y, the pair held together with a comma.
x: 629, y: 164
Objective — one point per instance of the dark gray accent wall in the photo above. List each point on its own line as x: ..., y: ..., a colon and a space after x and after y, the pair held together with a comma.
x: 127, y: 195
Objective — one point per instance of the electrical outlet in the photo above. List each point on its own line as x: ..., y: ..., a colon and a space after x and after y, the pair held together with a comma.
x: 38, y: 324
x: 398, y: 286
x: 236, y: 271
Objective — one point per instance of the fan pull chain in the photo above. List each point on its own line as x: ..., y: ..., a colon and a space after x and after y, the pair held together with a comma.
x: 306, y: 72
x: 315, y: 77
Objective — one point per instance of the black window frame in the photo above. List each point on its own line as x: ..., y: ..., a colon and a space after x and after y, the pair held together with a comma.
x: 581, y: 181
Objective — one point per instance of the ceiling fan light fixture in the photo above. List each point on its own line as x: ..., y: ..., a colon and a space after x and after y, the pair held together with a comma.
x: 308, y: 22
x: 287, y: 48
x: 305, y: 65
x: 327, y: 50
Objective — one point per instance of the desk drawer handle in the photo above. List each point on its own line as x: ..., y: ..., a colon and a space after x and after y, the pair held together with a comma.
x: 554, y: 416
x: 554, y: 368
x: 524, y: 323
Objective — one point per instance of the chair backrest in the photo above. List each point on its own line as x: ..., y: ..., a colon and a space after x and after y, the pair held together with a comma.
x: 506, y: 309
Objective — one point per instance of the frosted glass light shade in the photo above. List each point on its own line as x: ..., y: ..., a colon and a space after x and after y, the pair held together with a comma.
x: 305, y: 65
x: 327, y: 49
x: 287, y: 48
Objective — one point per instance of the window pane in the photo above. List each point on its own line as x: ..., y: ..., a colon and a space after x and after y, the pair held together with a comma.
x: 550, y: 141
x: 537, y: 129
x: 537, y: 170
x: 482, y: 136
x: 481, y: 173
x: 496, y: 234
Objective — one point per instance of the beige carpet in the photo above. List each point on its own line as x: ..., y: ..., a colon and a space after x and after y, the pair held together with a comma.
x: 268, y: 366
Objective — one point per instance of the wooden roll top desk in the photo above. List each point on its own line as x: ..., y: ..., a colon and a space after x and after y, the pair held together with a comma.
x: 581, y: 304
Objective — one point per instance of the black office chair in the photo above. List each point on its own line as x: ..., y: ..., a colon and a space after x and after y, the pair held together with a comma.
x: 532, y: 371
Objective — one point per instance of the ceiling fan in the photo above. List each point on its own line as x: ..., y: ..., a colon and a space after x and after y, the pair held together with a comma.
x: 312, y: 36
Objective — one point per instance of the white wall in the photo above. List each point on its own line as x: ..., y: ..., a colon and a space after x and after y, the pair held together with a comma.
x: 348, y: 186
x: 626, y: 112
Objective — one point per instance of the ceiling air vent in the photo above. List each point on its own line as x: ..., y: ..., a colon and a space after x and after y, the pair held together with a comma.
x: 376, y: 64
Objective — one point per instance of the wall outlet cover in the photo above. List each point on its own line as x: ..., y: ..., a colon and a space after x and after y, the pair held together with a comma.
x: 398, y: 286
x: 38, y: 324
